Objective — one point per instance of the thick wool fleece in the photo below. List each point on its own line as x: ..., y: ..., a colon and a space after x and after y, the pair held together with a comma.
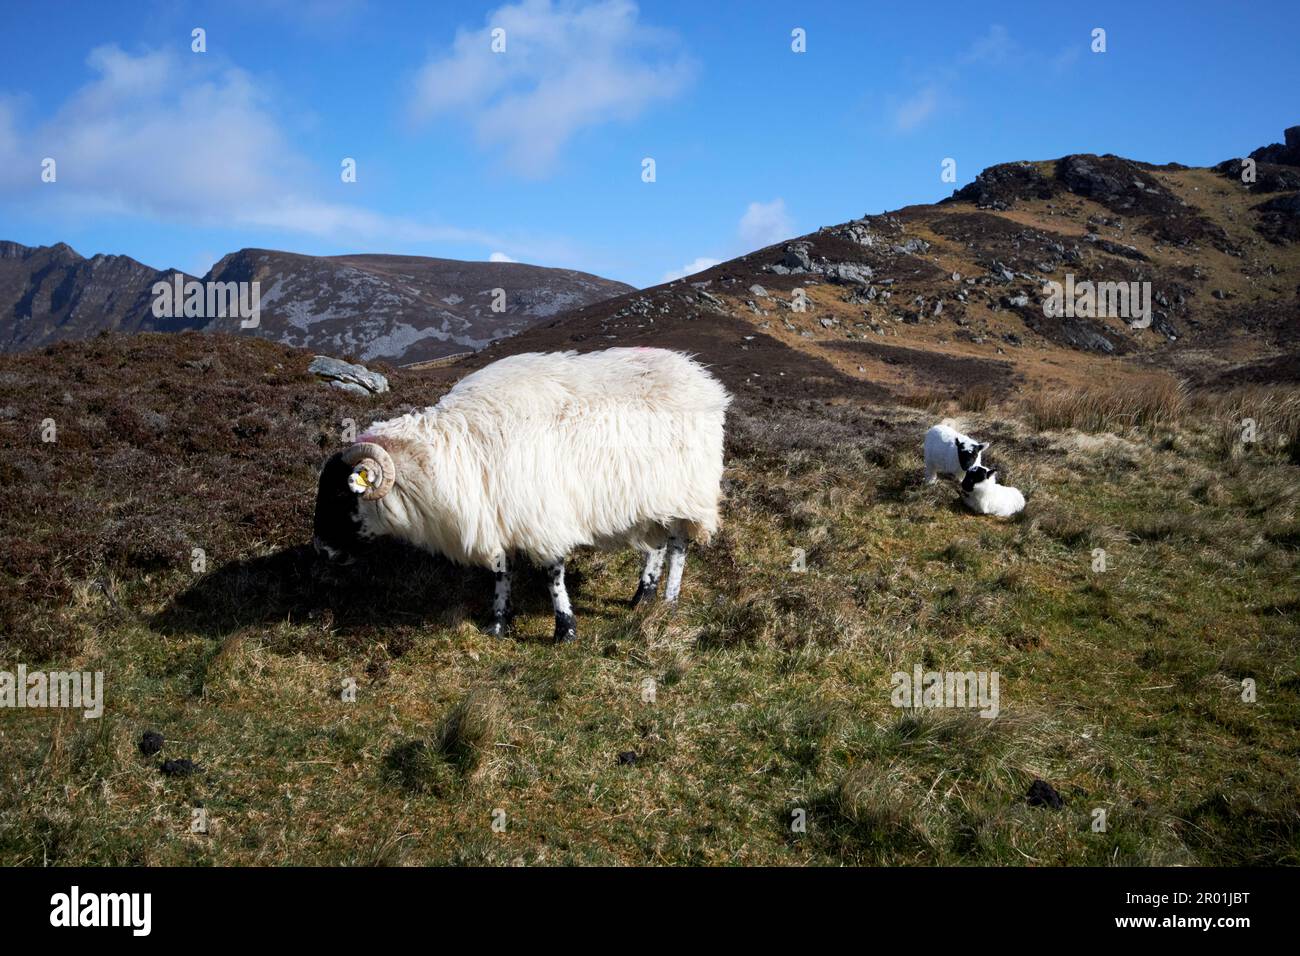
x: 543, y: 453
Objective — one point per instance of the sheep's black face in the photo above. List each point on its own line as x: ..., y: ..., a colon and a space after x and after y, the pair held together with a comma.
x: 968, y: 453
x: 337, y: 529
x: 973, y: 477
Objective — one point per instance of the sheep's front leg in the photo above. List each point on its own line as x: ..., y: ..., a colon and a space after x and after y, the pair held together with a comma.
x: 647, y: 588
x: 676, y: 564
x: 500, y: 597
x: 566, y: 627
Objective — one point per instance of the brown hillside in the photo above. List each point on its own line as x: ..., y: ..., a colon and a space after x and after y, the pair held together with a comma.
x: 950, y: 296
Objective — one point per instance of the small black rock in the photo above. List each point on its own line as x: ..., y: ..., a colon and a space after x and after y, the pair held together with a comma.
x: 627, y: 758
x: 1043, y: 794
x: 177, y: 768
x: 151, y: 743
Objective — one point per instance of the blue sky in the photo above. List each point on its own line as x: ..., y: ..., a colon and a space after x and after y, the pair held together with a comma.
x: 176, y: 157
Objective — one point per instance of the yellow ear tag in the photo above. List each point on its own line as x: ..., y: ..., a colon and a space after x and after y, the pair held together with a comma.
x: 360, y: 479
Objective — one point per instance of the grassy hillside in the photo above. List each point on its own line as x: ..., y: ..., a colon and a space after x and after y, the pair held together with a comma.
x: 1121, y: 688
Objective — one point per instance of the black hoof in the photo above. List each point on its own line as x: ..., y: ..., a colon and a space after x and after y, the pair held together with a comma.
x: 496, y: 629
x: 566, y: 629
x: 644, y: 595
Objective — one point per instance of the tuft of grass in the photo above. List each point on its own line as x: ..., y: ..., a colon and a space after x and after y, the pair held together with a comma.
x: 457, y: 751
x: 963, y: 554
x: 927, y: 399
x: 976, y: 398
x: 1151, y: 403
x: 470, y: 730
x: 416, y: 767
x: 1253, y: 419
x: 882, y: 805
x: 795, y: 612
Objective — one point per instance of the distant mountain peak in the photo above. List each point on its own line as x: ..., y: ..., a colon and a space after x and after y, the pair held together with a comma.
x: 401, y: 309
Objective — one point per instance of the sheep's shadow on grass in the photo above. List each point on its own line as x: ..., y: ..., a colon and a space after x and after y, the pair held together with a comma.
x: 389, y: 594
x: 954, y: 504
x: 908, y: 487
x: 900, y: 485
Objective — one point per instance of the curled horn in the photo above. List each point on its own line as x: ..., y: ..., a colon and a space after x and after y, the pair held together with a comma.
x: 374, y: 459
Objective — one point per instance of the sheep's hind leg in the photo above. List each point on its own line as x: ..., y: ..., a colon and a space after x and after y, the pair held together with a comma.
x: 566, y: 626
x: 500, y: 597
x: 676, y: 564
x: 647, y: 588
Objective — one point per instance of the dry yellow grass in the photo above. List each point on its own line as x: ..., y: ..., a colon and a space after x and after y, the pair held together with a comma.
x: 1151, y: 403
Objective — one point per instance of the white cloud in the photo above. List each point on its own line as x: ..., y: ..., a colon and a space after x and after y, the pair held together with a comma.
x: 916, y: 109
x: 148, y: 133
x: 697, y: 265
x: 765, y: 223
x: 174, y: 139
x: 339, y: 221
x: 762, y: 224
x: 500, y: 257
x: 994, y: 48
x: 564, y: 68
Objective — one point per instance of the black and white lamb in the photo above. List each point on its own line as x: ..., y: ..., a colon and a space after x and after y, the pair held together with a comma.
x: 982, y: 494
x: 950, y: 453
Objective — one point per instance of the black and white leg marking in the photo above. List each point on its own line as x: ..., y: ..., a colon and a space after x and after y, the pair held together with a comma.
x: 648, y: 587
x: 676, y: 563
x: 566, y: 627
x: 501, y: 609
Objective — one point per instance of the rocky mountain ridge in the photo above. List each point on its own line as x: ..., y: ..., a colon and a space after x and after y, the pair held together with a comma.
x: 400, y: 309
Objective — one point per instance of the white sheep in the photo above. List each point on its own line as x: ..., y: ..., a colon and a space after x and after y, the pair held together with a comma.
x: 539, y: 454
x: 982, y: 494
x: 950, y: 453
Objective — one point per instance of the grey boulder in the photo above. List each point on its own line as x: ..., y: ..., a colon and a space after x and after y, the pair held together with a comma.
x: 347, y: 376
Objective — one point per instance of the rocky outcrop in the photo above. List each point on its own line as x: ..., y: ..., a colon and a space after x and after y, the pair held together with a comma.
x: 1279, y: 218
x: 348, y: 376
x: 1276, y: 169
x: 1271, y: 169
x: 1118, y: 184
x: 1281, y: 154
x: 998, y: 187
x: 800, y: 259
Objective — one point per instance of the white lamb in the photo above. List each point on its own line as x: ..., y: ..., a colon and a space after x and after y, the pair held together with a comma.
x: 539, y: 454
x: 950, y: 453
x: 982, y: 494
